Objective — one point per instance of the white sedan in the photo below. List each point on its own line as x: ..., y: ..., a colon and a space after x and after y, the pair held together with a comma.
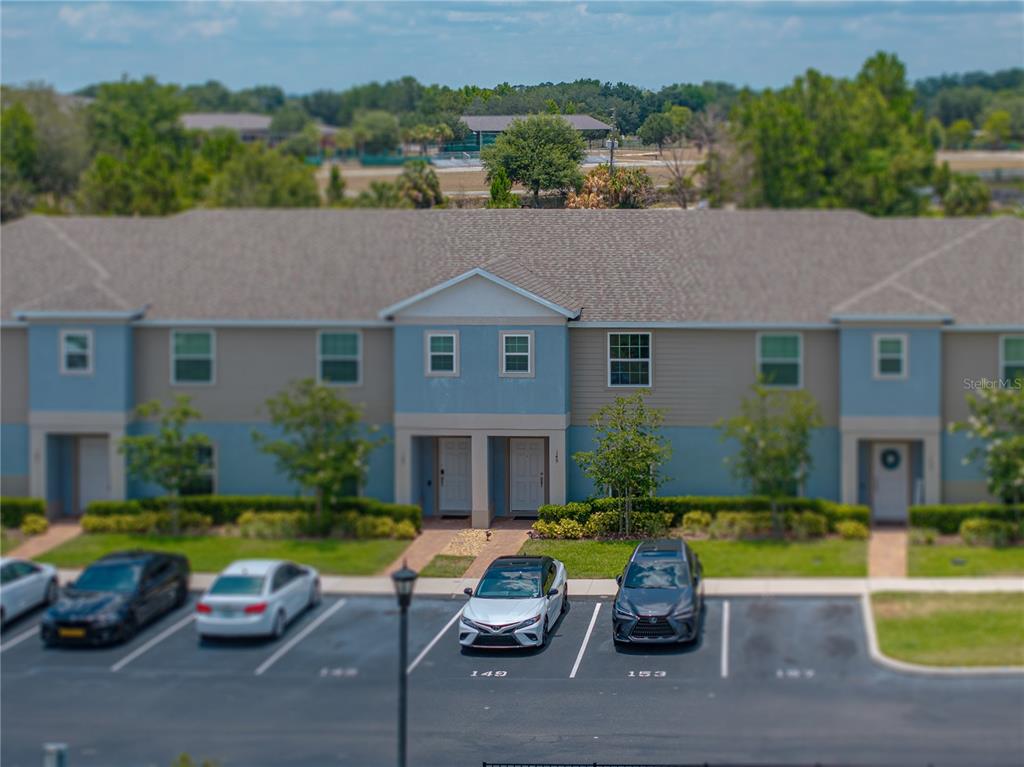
x: 256, y: 597
x: 516, y: 604
x: 25, y: 585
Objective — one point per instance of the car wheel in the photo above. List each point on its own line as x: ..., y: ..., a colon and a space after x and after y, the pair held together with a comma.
x: 49, y: 638
x: 278, y: 631
x: 52, y: 592
x: 180, y: 594
x: 545, y: 637
x: 314, y: 594
x: 129, y: 629
x: 565, y: 600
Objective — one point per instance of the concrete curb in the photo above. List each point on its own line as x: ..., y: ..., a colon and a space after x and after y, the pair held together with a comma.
x: 916, y: 668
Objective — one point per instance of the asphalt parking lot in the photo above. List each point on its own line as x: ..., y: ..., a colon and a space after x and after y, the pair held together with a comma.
x: 771, y: 680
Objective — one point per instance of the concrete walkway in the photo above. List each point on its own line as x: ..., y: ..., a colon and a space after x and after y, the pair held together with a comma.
x: 436, y: 534
x: 507, y: 537
x: 887, y: 553
x: 59, y: 532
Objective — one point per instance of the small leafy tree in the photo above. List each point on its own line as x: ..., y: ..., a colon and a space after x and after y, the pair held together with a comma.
x: 996, y: 420
x: 420, y: 185
x: 658, y: 129
x: 542, y: 152
x: 171, y: 458
x: 501, y: 191
x: 773, y: 428
x: 629, y: 452
x: 325, y: 445
x: 335, y: 187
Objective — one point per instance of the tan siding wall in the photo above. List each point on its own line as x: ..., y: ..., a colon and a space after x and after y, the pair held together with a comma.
x: 699, y: 375
x: 14, y: 369
x: 253, y: 364
x: 965, y: 355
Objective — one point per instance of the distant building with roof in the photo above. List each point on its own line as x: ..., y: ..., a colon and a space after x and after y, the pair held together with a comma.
x: 485, y: 129
x: 250, y: 126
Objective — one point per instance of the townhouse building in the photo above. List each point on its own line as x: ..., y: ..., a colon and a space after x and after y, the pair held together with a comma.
x: 481, y: 343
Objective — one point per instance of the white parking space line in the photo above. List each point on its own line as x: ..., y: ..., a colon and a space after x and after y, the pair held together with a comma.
x: 725, y: 639
x: 586, y: 641
x: 300, y: 636
x: 19, y: 639
x: 434, y: 641
x: 152, y: 643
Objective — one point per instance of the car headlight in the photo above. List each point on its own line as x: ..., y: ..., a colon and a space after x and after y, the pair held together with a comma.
x: 622, y: 612
x: 683, y: 611
x: 469, y: 624
x: 529, y: 622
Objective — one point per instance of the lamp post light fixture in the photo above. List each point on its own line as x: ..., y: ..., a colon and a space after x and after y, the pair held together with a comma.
x: 404, y: 580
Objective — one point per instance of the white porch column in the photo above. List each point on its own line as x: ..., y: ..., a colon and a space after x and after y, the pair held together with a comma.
x: 557, y: 467
x: 848, y: 467
x: 37, y: 463
x: 480, y: 483
x: 932, y: 468
x: 403, y: 466
x: 116, y: 471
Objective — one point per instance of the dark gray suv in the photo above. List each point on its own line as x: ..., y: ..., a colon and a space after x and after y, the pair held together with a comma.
x: 661, y: 594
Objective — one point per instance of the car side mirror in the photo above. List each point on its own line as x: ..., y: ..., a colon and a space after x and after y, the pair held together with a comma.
x: 618, y: 579
x: 553, y: 592
x: 468, y: 592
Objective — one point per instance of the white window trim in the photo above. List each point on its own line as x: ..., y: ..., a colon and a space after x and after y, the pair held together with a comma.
x: 799, y: 360
x: 876, y: 343
x: 650, y: 358
x: 1002, y: 352
x: 358, y: 358
x: 502, y: 372
x: 213, y: 357
x: 90, y: 352
x: 427, y: 335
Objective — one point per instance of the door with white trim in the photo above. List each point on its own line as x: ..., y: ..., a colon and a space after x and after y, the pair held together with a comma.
x: 526, y: 474
x: 93, y: 471
x: 454, y: 475
x: 891, y: 491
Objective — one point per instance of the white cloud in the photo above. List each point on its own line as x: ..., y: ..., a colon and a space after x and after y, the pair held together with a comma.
x: 342, y: 16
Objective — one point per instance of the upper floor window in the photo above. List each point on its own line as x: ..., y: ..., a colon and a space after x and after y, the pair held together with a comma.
x: 192, y: 356
x: 780, y: 359
x: 1011, y: 357
x: 891, y: 356
x: 76, y: 352
x: 442, y: 354
x: 339, y: 359
x: 629, y: 359
x: 516, y: 354
x: 206, y: 482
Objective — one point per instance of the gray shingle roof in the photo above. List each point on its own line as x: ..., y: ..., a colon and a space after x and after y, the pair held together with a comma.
x: 614, y: 266
x: 498, y: 123
x: 239, y: 121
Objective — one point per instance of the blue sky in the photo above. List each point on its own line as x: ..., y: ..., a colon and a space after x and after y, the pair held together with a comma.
x: 303, y: 46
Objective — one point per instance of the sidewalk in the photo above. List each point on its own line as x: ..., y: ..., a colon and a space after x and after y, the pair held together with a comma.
x: 436, y: 534
x: 59, y: 532
x: 887, y: 553
x: 507, y: 537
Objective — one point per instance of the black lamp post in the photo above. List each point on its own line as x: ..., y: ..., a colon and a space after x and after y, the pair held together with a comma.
x: 404, y: 580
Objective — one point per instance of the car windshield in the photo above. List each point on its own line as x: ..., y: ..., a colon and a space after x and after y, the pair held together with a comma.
x: 510, y: 583
x: 657, y: 575
x: 237, y: 585
x: 121, y: 578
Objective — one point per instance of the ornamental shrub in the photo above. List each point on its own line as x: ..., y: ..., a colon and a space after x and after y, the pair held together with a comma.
x: 570, y: 529
x: 807, y: 525
x: 34, y: 524
x: 273, y: 525
x: 947, y: 518
x: 405, y: 530
x: 602, y: 524
x: 546, y: 529
x: 374, y: 527
x: 852, y: 531
x: 987, y: 532
x: 14, y: 510
x: 145, y: 523
x: 696, y: 522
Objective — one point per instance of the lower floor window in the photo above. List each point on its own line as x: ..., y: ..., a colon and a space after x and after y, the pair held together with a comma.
x: 205, y: 483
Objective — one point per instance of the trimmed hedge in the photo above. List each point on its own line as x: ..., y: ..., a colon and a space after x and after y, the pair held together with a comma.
x: 14, y: 510
x: 947, y: 518
x: 225, y: 509
x: 145, y: 523
x: 679, y: 506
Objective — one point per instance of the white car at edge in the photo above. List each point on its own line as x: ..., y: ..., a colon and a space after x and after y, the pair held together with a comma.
x: 256, y: 597
x: 516, y: 603
x: 25, y: 585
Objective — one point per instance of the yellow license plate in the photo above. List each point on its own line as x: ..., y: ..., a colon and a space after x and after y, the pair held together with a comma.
x: 71, y: 633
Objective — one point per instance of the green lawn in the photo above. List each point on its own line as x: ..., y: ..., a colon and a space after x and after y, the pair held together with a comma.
x: 721, y: 559
x: 951, y: 629
x: 213, y: 553
x: 941, y: 561
x: 447, y: 566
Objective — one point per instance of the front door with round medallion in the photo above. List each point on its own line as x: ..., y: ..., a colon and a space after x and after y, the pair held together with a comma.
x: 891, y: 491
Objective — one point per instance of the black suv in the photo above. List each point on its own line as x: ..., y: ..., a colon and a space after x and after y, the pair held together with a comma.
x: 661, y: 594
x: 115, y: 596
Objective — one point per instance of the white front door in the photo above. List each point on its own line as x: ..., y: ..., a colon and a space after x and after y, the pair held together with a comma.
x: 891, y: 481
x: 454, y: 474
x: 526, y: 474
x: 93, y: 471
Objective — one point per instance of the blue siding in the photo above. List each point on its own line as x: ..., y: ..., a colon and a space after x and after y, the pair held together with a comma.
x: 14, y: 449
x: 60, y: 473
x: 243, y: 469
x: 954, y: 449
x: 108, y: 388
x: 860, y: 394
x: 698, y: 467
x: 423, y: 490
x: 479, y: 388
